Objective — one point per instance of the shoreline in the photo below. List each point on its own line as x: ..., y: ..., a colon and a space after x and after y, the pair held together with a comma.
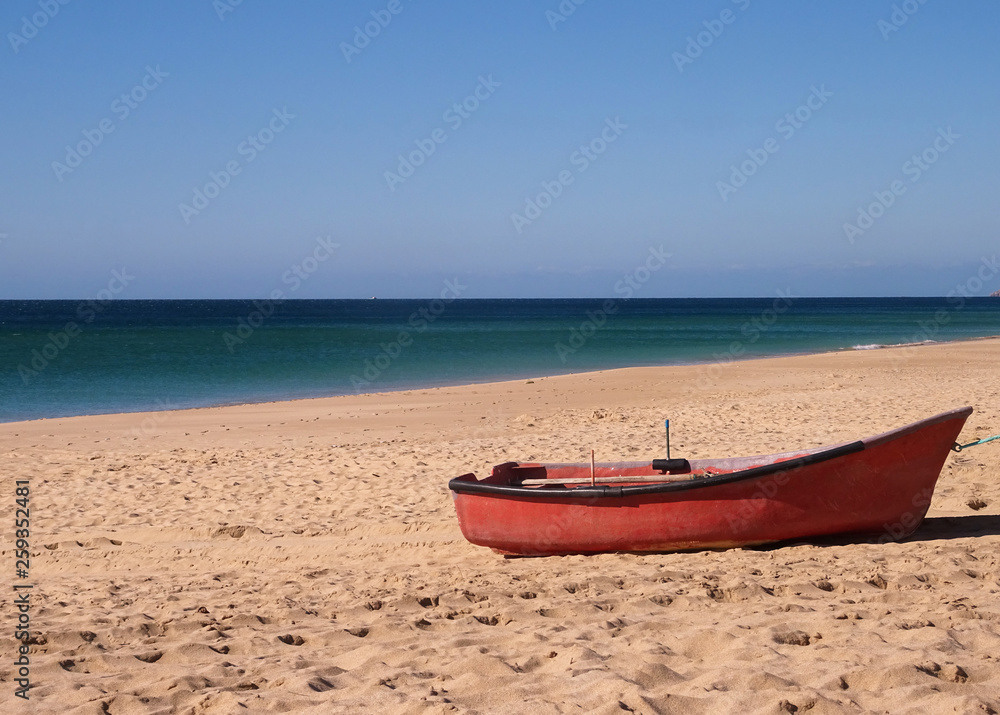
x: 509, y: 404
x: 707, y: 364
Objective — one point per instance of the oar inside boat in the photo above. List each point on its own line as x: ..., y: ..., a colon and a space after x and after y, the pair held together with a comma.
x: 616, y: 479
x: 680, y: 472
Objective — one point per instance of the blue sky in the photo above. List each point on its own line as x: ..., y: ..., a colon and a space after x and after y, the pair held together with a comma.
x: 743, y: 138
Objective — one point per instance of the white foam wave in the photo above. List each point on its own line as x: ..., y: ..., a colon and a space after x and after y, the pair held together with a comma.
x: 879, y: 346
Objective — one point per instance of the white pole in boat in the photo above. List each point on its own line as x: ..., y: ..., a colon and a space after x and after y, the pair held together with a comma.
x: 666, y: 423
x: 593, y: 474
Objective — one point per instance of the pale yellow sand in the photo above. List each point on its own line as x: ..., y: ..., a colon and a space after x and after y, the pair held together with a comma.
x: 305, y: 557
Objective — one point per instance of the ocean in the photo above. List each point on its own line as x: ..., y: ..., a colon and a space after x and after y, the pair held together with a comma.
x: 63, y: 358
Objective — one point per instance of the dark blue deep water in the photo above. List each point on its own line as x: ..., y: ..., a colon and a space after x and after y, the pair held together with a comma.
x: 60, y: 358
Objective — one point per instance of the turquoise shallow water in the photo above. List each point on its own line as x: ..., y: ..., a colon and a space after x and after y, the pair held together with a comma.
x: 60, y: 358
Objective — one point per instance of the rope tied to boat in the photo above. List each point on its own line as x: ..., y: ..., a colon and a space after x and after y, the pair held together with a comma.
x: 959, y: 447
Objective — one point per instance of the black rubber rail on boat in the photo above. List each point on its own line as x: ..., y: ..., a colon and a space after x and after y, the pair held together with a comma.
x: 598, y: 492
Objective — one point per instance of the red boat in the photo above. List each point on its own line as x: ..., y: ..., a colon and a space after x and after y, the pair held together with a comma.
x: 878, y: 486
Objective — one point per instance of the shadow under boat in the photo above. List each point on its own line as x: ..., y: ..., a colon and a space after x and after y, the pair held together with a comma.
x: 935, y: 528
x: 956, y: 527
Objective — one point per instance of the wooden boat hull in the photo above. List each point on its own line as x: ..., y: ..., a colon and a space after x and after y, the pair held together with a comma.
x: 878, y: 486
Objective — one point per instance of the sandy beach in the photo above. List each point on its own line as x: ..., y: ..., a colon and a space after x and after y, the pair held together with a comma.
x: 305, y: 557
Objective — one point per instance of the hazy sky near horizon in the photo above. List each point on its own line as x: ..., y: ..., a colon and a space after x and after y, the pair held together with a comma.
x: 527, y: 148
